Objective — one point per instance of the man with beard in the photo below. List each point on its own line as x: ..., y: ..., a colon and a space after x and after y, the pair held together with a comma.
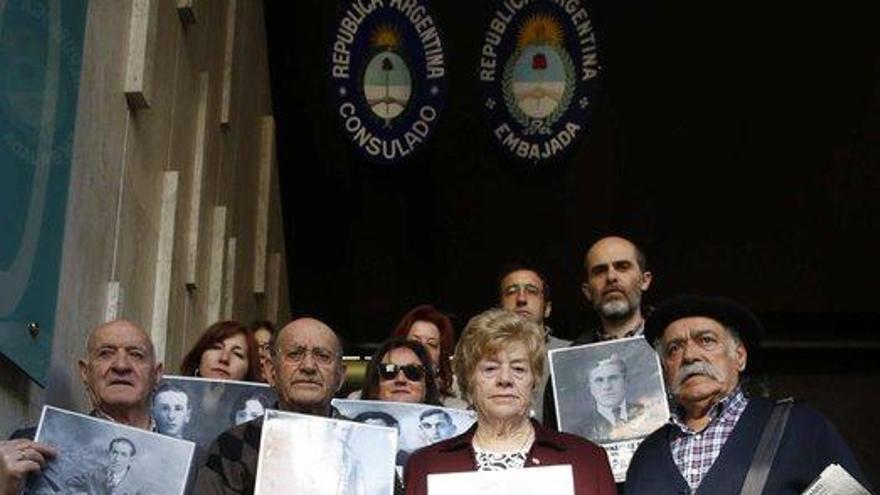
x: 709, y: 445
x: 615, y: 276
x: 308, y: 370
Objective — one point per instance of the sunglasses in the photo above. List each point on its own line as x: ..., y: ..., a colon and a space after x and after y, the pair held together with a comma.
x: 412, y: 372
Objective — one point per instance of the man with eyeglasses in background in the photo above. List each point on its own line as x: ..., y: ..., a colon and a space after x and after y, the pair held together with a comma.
x: 525, y: 291
x: 308, y: 370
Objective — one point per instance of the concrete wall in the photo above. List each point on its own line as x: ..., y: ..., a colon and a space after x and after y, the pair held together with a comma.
x: 173, y: 218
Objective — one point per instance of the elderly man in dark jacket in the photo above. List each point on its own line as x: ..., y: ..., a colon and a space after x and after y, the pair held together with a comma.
x: 709, y: 445
x: 308, y: 370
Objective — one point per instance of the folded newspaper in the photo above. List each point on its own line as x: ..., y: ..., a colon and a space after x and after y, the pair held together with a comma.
x: 835, y: 480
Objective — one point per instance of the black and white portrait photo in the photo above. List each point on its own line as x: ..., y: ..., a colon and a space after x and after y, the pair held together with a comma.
x: 418, y: 424
x: 199, y: 409
x: 319, y: 456
x: 101, y: 457
x: 611, y: 393
x: 546, y: 480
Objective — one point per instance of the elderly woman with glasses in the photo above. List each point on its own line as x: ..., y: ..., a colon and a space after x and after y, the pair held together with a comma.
x: 497, y: 362
x: 401, y: 371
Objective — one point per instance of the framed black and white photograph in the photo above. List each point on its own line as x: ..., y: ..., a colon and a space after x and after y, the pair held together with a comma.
x: 96, y: 456
x: 611, y: 393
x: 418, y: 425
x: 200, y: 409
x: 546, y: 480
x: 307, y: 454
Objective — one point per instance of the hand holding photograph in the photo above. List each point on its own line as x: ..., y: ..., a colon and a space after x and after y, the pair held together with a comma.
x: 96, y: 456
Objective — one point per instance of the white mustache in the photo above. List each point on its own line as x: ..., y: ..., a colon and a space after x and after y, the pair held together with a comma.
x: 697, y: 368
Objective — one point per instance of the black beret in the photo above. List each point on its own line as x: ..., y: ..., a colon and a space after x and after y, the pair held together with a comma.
x: 726, y: 311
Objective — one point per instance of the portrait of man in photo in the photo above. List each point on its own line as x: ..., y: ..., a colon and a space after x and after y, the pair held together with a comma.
x: 171, y: 410
x: 114, y: 476
x: 417, y: 425
x: 606, y: 384
x: 435, y: 425
x: 101, y: 457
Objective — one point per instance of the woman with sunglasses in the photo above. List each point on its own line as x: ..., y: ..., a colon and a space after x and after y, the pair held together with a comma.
x: 433, y: 329
x: 401, y: 371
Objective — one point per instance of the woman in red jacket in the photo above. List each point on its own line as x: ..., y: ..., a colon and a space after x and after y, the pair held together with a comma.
x: 497, y: 361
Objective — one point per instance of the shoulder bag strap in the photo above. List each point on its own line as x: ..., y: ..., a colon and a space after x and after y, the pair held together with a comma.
x: 770, y: 439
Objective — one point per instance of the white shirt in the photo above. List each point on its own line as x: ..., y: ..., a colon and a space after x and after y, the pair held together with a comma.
x: 608, y: 413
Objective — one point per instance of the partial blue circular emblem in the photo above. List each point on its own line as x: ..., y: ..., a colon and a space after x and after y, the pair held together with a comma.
x: 388, y: 71
x: 538, y: 69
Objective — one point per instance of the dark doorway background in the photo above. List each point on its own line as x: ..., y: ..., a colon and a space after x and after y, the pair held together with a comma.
x: 739, y: 143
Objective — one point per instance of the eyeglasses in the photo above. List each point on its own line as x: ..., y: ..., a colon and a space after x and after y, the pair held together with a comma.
x: 412, y: 372
x: 530, y: 289
x: 319, y: 355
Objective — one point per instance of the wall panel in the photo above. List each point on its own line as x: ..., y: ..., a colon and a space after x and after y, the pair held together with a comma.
x: 121, y: 230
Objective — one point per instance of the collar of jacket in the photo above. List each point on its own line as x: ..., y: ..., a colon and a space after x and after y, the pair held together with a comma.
x: 543, y: 437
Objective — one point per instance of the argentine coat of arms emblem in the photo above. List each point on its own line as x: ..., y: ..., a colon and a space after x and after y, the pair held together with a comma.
x: 538, y: 70
x: 389, y: 75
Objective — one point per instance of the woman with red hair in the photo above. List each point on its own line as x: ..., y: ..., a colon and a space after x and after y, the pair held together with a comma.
x: 227, y: 350
x: 433, y: 329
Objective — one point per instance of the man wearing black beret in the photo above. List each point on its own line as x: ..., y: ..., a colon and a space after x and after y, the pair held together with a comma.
x: 719, y: 440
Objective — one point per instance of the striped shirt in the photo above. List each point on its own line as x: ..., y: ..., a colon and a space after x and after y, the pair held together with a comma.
x: 694, y: 452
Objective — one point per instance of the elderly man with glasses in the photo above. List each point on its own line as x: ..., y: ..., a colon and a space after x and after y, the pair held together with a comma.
x: 308, y: 369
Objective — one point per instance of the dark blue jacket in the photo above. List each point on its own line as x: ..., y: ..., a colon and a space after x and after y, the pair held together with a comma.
x: 809, y: 444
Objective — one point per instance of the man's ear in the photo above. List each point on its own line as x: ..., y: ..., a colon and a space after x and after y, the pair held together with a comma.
x: 647, y: 277
x: 742, y: 357
x: 548, y: 309
x: 157, y: 375
x: 341, y: 380
x: 83, y: 371
x: 84, y: 376
x: 269, y: 372
x: 585, y: 289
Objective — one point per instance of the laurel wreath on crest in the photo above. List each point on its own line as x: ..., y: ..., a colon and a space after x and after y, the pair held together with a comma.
x: 509, y: 100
